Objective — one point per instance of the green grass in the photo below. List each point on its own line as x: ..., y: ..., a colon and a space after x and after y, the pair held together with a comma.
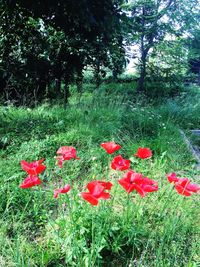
x: 161, y: 229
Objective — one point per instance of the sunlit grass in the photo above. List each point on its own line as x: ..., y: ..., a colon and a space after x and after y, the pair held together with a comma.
x: 159, y: 230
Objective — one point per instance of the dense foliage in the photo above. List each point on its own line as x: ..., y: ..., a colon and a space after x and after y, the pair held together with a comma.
x: 45, y: 46
x: 43, y: 43
x: 153, y: 23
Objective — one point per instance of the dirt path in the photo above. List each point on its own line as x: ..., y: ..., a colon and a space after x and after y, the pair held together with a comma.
x: 194, y: 149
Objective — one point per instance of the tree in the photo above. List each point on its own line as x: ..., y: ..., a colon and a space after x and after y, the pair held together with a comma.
x: 167, y: 68
x: 91, y: 29
x: 152, y: 20
x: 194, y: 55
x: 54, y: 41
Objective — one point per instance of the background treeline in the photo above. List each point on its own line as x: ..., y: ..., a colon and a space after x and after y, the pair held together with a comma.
x: 46, y: 46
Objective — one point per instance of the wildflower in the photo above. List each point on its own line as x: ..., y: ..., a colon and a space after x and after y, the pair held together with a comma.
x: 33, y: 168
x: 143, y: 153
x: 66, y: 153
x: 134, y: 181
x: 184, y: 187
x: 118, y: 163
x: 106, y: 185
x: 128, y: 182
x: 30, y: 181
x: 149, y: 185
x: 172, y: 177
x: 96, y: 191
x: 63, y: 190
x: 110, y: 147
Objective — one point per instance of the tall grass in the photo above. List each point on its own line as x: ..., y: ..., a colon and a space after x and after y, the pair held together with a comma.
x: 161, y: 229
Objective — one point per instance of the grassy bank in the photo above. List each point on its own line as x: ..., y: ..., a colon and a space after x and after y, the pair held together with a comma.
x: 161, y: 229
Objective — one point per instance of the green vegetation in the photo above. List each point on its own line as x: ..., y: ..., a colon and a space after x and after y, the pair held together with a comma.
x: 64, y: 81
x: 161, y: 229
x: 46, y: 48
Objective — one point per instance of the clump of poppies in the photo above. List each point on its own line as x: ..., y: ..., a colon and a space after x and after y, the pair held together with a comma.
x: 100, y: 190
x: 135, y: 181
x: 183, y: 185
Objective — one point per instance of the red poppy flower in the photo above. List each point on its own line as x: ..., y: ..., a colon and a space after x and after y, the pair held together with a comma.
x: 172, y: 177
x: 143, y: 153
x: 149, y: 185
x: 96, y: 191
x: 184, y: 187
x: 118, y: 163
x: 130, y: 181
x: 63, y: 190
x: 134, y: 181
x: 106, y: 185
x: 67, y: 153
x: 110, y: 147
x: 33, y: 168
x: 30, y: 181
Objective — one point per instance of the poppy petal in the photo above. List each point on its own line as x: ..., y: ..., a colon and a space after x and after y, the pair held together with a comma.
x: 124, y: 184
x: 182, y: 191
x: 193, y: 187
x: 110, y: 147
x: 63, y: 190
x: 33, y: 168
x: 143, y: 153
x: 106, y: 185
x: 30, y: 181
x: 104, y: 195
x: 172, y: 177
x: 140, y: 191
x: 118, y: 163
x: 95, y: 188
x: 90, y: 198
x: 56, y: 192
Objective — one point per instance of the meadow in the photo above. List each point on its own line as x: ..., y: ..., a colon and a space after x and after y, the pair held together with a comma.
x: 160, y: 229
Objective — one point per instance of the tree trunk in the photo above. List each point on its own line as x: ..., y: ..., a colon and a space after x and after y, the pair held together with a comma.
x: 66, y: 95
x: 97, y: 76
x: 141, y: 81
x: 58, y: 85
x: 140, y: 86
x: 79, y: 83
x: 47, y: 88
